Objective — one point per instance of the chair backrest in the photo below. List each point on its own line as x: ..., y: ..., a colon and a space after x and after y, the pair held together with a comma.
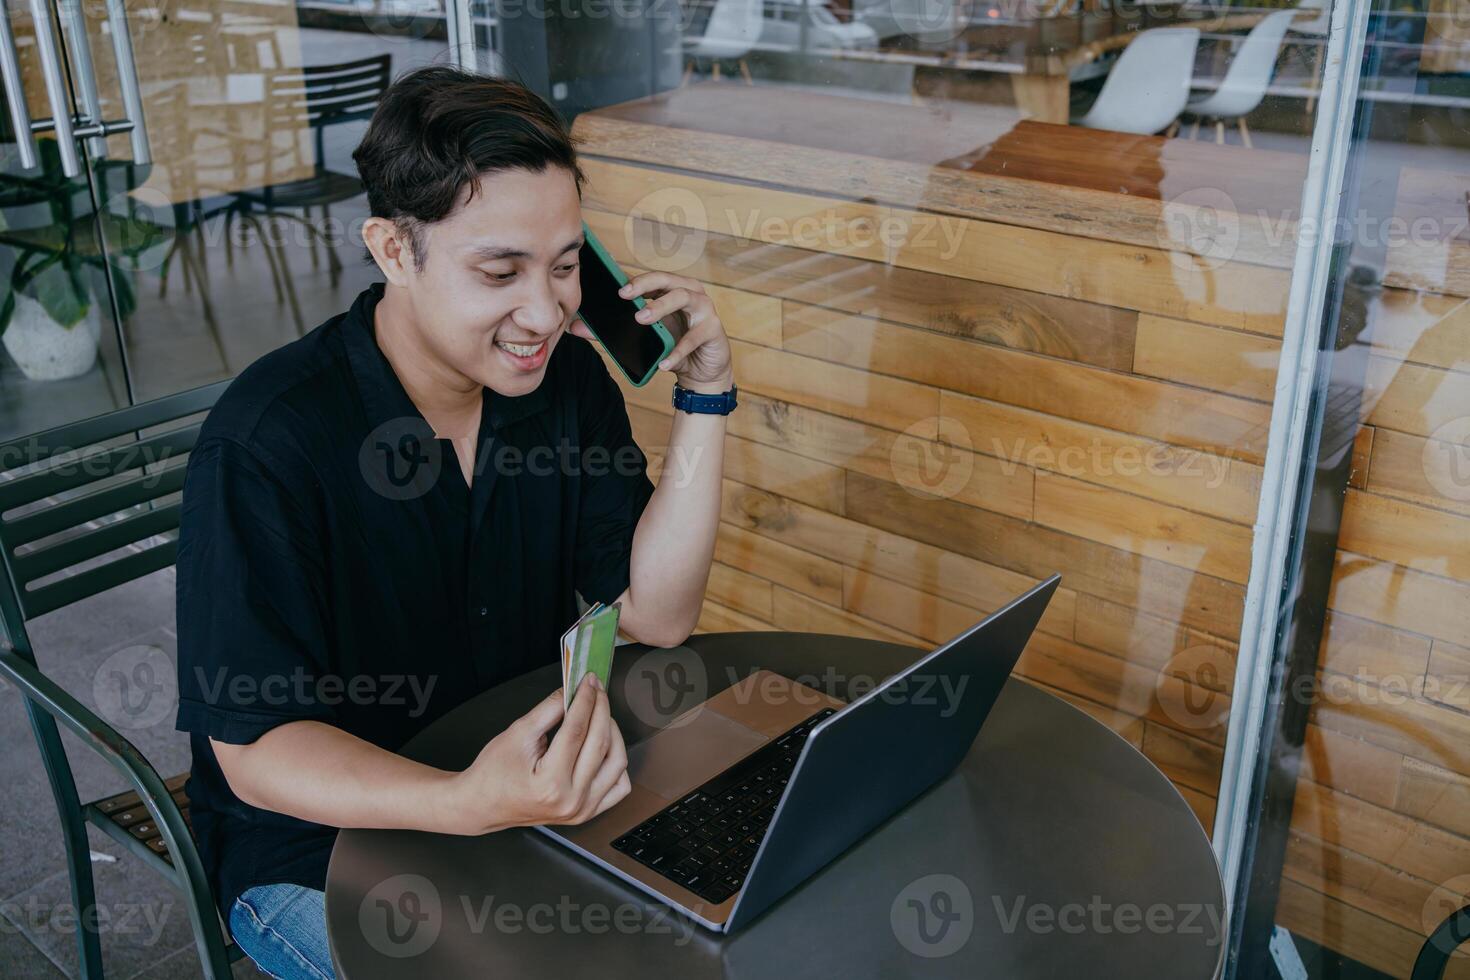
x: 734, y: 27
x: 1244, y: 85
x: 1149, y: 84
x: 314, y: 97
x: 91, y: 505
x: 1318, y: 26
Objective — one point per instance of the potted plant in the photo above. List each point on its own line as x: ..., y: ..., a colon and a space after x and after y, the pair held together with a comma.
x: 52, y: 311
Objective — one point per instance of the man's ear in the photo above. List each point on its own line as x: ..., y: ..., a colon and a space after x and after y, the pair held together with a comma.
x: 391, y: 249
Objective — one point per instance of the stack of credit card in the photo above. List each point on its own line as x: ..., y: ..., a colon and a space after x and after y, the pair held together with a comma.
x: 588, y: 648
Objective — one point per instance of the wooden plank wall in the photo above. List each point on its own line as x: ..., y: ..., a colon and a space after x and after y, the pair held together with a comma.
x: 1380, y: 850
x: 1084, y: 404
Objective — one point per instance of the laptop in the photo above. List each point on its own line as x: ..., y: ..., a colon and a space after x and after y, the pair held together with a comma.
x: 748, y: 794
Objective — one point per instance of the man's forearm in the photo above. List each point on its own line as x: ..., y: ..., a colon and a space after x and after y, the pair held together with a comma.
x: 675, y: 539
x: 317, y: 772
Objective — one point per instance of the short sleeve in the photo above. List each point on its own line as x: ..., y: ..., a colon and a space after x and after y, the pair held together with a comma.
x: 252, y: 618
x: 615, y: 486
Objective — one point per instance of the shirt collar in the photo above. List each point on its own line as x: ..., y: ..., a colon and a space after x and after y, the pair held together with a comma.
x: 384, y: 396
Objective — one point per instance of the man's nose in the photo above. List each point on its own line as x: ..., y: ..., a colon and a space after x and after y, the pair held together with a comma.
x: 541, y: 312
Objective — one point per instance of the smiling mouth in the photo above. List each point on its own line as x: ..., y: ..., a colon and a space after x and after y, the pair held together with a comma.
x: 521, y: 350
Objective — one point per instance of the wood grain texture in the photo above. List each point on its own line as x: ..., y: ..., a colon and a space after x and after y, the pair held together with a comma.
x: 1425, y: 328
x: 1361, y: 935
x: 1207, y: 603
x: 1039, y: 314
x: 1353, y: 766
x: 1396, y: 596
x: 1415, y: 398
x: 1204, y: 544
x: 1008, y: 317
x: 1226, y: 361
x: 1427, y: 471
x: 1077, y: 181
x: 1180, y: 416
x: 801, y: 571
x: 1135, y: 277
x: 1406, y: 534
x: 1221, y: 486
x: 929, y: 568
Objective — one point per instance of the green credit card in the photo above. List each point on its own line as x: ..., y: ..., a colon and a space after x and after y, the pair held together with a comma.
x: 588, y: 648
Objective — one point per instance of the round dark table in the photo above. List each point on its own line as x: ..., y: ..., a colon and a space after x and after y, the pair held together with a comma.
x: 1054, y: 850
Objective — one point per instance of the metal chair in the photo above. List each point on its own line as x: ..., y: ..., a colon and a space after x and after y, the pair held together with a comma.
x: 83, y: 508
x: 298, y: 100
x: 1149, y: 85
x: 1434, y: 957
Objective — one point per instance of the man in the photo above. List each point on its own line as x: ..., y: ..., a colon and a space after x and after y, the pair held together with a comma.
x: 368, y: 540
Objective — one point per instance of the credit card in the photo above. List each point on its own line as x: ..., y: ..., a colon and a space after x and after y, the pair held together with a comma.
x: 588, y: 647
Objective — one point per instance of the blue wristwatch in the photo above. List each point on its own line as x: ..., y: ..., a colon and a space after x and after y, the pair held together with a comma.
x: 697, y: 404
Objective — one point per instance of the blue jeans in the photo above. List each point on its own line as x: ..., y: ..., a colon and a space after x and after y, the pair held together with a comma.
x: 283, y: 929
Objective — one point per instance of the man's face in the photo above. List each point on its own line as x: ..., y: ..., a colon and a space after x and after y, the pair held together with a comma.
x: 500, y: 285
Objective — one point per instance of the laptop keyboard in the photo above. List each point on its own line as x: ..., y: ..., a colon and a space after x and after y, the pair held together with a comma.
x: 707, y: 840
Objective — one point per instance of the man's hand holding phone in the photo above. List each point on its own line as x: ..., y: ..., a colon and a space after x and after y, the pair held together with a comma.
x: 700, y: 359
x: 525, y: 776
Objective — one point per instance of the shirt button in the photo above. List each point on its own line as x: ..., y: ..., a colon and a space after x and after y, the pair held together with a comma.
x: 484, y: 611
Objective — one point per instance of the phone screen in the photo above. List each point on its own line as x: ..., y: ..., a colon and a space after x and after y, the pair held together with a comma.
x: 637, y: 347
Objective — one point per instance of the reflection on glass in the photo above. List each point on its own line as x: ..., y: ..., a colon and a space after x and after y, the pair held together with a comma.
x: 237, y: 231
x: 1005, y: 303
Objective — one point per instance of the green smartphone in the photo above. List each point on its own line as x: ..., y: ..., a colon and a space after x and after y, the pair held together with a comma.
x: 636, y: 348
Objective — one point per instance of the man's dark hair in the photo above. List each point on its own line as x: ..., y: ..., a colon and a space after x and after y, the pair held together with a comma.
x: 439, y: 128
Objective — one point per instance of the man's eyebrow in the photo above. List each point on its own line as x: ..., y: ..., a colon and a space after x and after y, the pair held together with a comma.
x: 490, y: 253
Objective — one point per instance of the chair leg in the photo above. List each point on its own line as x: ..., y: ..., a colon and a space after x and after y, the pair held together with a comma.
x: 1245, y: 133
x: 210, y: 323
x: 246, y: 216
x: 688, y: 70
x: 1219, y: 131
x: 1194, y: 128
x: 334, y: 264
x: 1172, y: 131
x: 274, y: 248
x: 316, y: 262
x: 74, y: 836
x: 745, y: 70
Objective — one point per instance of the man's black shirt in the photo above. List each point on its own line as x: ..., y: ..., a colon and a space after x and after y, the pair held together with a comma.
x: 333, y: 564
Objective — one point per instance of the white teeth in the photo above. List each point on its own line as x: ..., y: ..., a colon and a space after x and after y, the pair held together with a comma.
x: 521, y: 350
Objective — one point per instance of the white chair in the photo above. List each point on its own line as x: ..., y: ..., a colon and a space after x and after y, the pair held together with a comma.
x: 1149, y: 85
x: 1245, y: 81
x: 733, y: 29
